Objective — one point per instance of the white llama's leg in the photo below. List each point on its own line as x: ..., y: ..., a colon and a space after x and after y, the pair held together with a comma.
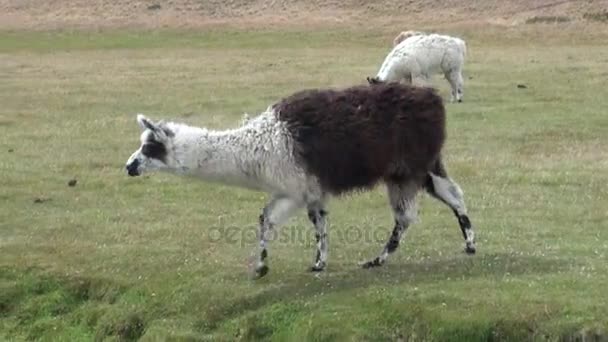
x: 318, y: 216
x: 453, y: 85
x: 408, y: 78
x: 460, y: 87
x: 279, y: 210
x: 454, y: 77
x: 402, y: 197
x: 420, y: 80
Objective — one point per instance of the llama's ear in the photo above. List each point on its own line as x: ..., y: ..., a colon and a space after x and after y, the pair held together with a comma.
x: 162, y: 125
x: 146, y: 123
x: 245, y: 119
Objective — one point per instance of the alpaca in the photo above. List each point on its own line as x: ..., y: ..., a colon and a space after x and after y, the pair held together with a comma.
x: 316, y: 144
x: 417, y: 57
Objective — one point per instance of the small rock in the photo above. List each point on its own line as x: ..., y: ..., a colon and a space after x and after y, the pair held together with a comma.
x: 522, y: 86
x: 40, y: 200
x: 154, y: 7
x: 10, y: 150
x: 72, y: 182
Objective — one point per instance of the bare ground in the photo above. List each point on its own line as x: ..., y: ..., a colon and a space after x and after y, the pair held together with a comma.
x: 150, y: 14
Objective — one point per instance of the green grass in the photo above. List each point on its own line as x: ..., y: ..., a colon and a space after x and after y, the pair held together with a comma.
x: 116, y: 258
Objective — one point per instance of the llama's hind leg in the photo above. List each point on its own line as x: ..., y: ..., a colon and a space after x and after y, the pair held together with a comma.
x: 317, y: 215
x: 454, y: 77
x: 402, y: 197
x: 440, y: 186
x: 459, y: 86
x: 275, y: 213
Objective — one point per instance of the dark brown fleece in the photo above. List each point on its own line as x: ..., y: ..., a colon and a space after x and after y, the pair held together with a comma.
x: 355, y: 137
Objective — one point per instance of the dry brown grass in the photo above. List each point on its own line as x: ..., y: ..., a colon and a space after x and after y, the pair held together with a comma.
x: 152, y: 14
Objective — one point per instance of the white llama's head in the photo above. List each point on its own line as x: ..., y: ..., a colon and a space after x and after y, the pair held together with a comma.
x: 156, y: 149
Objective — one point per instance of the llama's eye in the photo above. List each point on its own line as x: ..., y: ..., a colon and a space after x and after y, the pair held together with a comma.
x: 154, y: 150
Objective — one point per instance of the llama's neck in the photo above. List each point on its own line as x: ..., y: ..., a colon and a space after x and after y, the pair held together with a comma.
x: 389, y: 71
x: 227, y: 157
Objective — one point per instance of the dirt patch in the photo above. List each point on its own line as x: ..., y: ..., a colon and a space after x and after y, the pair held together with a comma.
x: 146, y: 14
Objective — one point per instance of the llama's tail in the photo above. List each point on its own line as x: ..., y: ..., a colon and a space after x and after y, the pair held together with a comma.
x: 463, y: 47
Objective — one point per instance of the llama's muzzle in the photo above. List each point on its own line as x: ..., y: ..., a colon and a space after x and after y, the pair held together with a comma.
x: 132, y: 168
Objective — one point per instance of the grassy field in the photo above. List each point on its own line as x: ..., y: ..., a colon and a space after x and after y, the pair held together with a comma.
x: 163, y: 258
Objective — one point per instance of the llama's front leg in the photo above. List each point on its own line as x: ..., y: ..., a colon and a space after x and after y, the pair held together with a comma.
x: 403, y: 202
x: 317, y: 215
x: 420, y: 80
x: 274, y: 214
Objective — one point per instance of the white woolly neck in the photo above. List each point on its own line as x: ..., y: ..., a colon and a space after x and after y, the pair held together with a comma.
x: 229, y: 156
x: 389, y: 70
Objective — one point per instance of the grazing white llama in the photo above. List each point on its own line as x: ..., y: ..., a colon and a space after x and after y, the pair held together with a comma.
x: 418, y: 56
x: 315, y: 144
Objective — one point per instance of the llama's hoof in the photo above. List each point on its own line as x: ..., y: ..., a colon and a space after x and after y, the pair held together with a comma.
x: 470, y: 249
x: 261, y: 271
x: 319, y: 267
x: 372, y: 263
x: 459, y: 100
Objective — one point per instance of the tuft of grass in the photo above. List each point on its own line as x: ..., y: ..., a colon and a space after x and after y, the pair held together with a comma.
x: 165, y: 258
x: 126, y: 326
x: 596, y: 16
x: 544, y: 19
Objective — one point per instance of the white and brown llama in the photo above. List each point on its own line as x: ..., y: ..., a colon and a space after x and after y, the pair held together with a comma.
x: 316, y: 144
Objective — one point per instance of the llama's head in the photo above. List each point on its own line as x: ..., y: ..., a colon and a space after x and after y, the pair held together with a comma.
x: 155, y: 151
x: 374, y: 80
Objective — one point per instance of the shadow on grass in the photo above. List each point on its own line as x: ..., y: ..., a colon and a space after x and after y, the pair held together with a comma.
x: 306, y: 284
